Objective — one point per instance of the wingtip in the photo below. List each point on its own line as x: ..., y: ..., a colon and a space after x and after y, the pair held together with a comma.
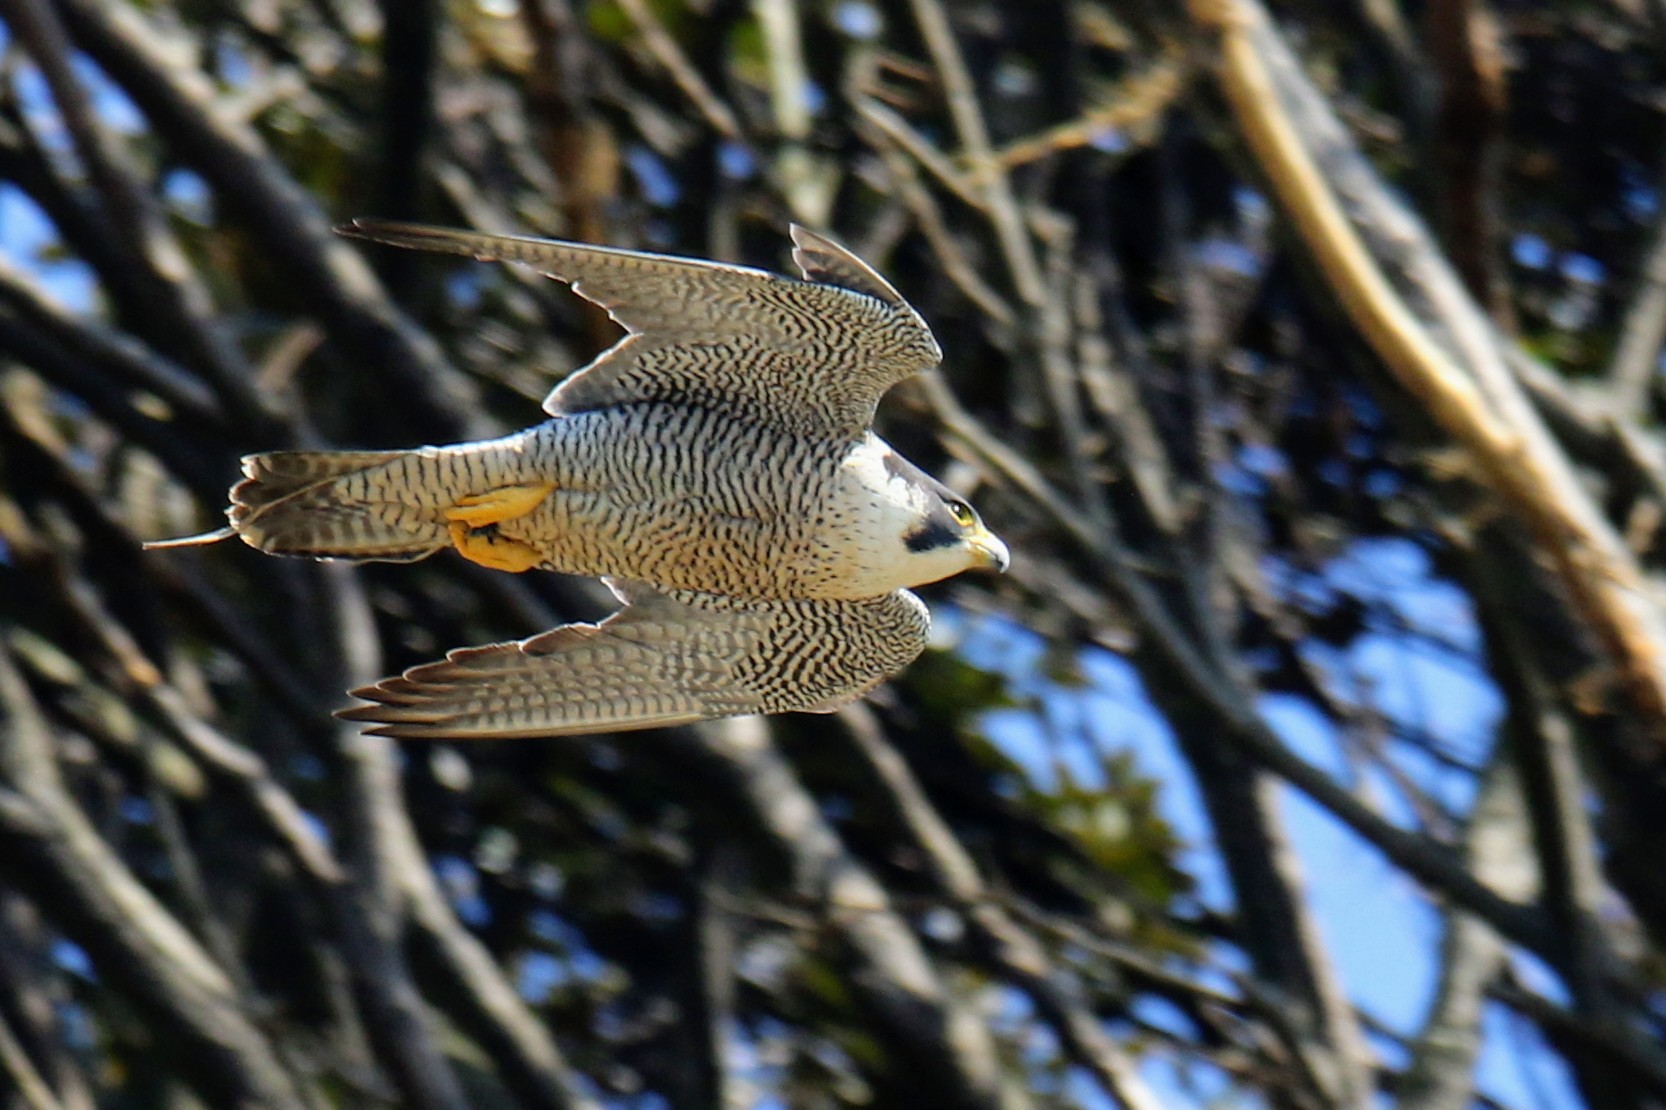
x: 828, y: 261
x: 201, y: 539
x: 383, y: 720
x: 398, y: 233
x: 393, y: 731
x: 808, y: 240
x: 358, y: 712
x: 359, y: 227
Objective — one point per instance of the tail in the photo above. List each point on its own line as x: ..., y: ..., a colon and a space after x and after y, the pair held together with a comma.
x: 338, y: 505
x: 363, y: 505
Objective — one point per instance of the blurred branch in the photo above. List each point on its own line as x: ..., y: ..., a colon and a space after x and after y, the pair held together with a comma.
x: 46, y: 457
x: 658, y: 42
x: 489, y: 1009
x: 1135, y: 107
x: 918, y: 147
x: 1193, y: 472
x: 36, y: 1004
x: 1295, y: 977
x: 52, y: 852
x: 480, y: 995
x: 1621, y: 1056
x: 1635, y: 368
x: 1388, y: 24
x: 1275, y: 923
x: 410, y: 30
x: 987, y: 175
x: 1475, y: 401
x: 1165, y: 653
x: 20, y: 1072
x: 237, y: 768
x: 116, y: 355
x: 806, y: 181
x: 398, y: 1021
x: 1593, y: 430
x: 1048, y: 308
x: 938, y: 1045
x: 1468, y: 55
x: 188, y: 459
x: 955, y: 265
x: 398, y: 895
x: 1557, y: 795
x: 286, y: 222
x: 1441, y: 1073
x: 577, y: 145
x: 139, y: 236
x: 1011, y: 948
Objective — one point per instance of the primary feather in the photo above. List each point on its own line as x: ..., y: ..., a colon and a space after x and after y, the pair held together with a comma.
x: 809, y: 357
x: 665, y: 659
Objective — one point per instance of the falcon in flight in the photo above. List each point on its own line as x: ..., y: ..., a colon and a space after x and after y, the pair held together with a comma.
x: 717, y: 467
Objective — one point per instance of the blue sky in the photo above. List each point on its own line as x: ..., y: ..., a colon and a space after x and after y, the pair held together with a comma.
x: 1380, y: 930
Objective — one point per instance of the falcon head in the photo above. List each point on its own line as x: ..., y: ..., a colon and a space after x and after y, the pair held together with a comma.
x: 917, y: 530
x: 950, y: 534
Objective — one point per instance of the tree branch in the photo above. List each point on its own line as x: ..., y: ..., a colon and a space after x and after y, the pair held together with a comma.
x: 938, y: 1047
x: 52, y: 852
x: 292, y: 231
x: 1474, y: 400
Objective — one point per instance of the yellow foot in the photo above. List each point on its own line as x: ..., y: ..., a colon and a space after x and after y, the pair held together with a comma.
x: 498, y: 505
x: 474, y: 520
x: 486, y: 547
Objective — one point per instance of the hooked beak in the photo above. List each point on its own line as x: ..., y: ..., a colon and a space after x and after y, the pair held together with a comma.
x: 988, y: 551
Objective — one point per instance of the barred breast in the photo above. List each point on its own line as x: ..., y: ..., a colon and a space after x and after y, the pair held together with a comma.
x: 687, y: 498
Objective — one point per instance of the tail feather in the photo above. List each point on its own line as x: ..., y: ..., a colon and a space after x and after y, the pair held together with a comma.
x: 275, y: 475
x: 333, y: 504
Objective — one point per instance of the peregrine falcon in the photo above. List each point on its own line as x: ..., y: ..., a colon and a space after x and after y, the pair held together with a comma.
x: 716, y: 466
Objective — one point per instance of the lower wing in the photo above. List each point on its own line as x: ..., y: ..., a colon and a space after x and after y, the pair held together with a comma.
x: 667, y: 658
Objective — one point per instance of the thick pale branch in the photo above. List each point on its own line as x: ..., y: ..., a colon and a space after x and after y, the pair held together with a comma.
x: 1483, y: 411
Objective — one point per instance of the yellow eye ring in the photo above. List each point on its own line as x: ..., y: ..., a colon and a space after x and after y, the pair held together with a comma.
x: 962, y: 513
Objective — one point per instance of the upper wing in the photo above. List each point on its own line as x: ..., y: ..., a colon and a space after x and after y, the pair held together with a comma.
x: 665, y: 659
x: 810, y: 356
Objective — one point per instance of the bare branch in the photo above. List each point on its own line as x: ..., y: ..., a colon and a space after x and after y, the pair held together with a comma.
x: 52, y: 852
x: 942, y: 1048
x: 1014, y: 951
x: 292, y: 230
x: 1476, y: 401
x: 1441, y: 1075
x: 1635, y: 368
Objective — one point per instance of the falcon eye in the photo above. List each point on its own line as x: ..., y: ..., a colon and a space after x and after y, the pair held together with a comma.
x: 962, y: 513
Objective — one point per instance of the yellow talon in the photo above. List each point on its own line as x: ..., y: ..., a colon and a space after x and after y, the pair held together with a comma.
x: 474, y: 521
x: 486, y: 547
x: 498, y: 505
